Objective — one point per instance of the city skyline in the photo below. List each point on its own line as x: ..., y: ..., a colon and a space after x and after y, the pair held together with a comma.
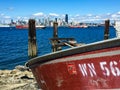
x: 77, y: 10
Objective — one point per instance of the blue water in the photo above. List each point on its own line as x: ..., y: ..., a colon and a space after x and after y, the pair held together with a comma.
x: 14, y: 42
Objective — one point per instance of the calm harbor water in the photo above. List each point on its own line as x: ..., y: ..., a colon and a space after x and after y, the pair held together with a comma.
x: 14, y: 42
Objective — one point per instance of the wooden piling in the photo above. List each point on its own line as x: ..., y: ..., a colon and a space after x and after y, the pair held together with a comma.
x: 106, y: 32
x: 55, y: 35
x: 55, y: 42
x: 55, y: 28
x: 32, y: 46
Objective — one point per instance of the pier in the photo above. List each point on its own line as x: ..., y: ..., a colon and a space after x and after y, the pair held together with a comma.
x: 58, y: 43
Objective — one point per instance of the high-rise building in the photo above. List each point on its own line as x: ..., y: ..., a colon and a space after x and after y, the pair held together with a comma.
x: 55, y: 19
x: 66, y: 18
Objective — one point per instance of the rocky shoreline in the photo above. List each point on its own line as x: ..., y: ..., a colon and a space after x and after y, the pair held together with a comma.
x: 20, y: 78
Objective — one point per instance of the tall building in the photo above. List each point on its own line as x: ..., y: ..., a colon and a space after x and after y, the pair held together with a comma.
x: 66, y: 18
x: 55, y: 19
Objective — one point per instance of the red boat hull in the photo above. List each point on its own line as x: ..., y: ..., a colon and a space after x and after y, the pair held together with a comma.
x: 80, y: 26
x: 21, y: 26
x: 95, y: 69
x: 26, y: 27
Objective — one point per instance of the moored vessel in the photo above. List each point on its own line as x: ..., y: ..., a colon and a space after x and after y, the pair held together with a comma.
x: 40, y: 26
x: 21, y: 26
x: 4, y: 25
x: 78, y: 26
x: 26, y: 26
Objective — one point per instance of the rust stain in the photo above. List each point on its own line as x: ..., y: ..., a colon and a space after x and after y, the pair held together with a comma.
x: 100, y: 82
x: 59, y: 81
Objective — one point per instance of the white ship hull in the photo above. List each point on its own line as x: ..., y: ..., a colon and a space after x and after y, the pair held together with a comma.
x: 117, y: 27
x: 1, y: 25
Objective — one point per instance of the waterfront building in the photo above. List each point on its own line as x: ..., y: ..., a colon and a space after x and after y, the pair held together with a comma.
x: 55, y: 19
x: 66, y: 18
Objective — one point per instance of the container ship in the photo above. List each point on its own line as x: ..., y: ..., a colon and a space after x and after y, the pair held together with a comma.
x: 26, y: 26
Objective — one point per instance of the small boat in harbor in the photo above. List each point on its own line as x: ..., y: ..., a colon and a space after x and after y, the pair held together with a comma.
x: 94, y: 66
x: 40, y: 26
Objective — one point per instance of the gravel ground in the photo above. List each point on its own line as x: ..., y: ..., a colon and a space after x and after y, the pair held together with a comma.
x: 20, y: 78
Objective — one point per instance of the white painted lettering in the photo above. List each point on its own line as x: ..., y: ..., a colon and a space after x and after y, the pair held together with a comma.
x: 83, y: 69
x: 92, y: 69
x: 114, y: 69
x: 106, y: 71
x: 108, y: 68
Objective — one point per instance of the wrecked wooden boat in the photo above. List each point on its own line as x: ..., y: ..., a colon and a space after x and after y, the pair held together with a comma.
x: 94, y: 66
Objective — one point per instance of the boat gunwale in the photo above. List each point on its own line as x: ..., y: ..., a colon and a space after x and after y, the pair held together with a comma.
x: 75, y: 50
